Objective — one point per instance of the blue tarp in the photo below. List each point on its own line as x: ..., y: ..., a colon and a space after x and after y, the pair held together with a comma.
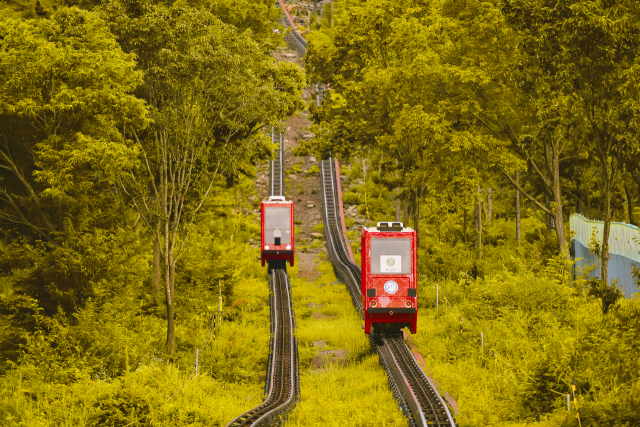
x: 624, y: 245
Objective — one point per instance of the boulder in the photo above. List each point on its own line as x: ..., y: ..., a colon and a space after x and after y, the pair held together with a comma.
x: 327, y: 357
x: 317, y: 235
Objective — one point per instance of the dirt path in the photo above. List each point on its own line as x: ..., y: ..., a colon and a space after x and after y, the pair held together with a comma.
x: 307, y: 267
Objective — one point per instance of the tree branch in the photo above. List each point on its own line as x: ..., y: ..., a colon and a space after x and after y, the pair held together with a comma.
x: 534, y: 201
x: 25, y: 221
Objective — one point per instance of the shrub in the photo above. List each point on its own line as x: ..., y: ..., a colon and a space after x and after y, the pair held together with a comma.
x: 352, y: 198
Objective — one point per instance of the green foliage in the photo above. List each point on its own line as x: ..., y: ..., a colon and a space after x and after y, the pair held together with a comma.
x: 457, y: 95
x: 352, y: 198
x: 120, y: 409
x: 105, y: 365
x: 62, y: 118
x: 64, y: 349
x: 218, y: 241
x: 609, y: 294
x: 211, y: 88
x: 540, y: 330
x: 295, y: 169
x: 258, y: 16
x: 313, y: 170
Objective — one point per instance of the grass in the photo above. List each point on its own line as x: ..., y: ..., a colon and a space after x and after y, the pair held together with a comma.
x: 230, y: 380
x: 540, y: 332
x: 231, y: 375
x: 353, y: 394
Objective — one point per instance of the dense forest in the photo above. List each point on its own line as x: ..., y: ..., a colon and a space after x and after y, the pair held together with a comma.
x: 461, y: 98
x: 133, y: 141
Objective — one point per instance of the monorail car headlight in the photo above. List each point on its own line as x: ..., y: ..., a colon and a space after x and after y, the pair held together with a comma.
x: 373, y: 303
x: 407, y: 303
x: 288, y: 247
x: 266, y: 247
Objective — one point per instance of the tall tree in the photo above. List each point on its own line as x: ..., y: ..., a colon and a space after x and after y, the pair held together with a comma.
x: 500, y: 97
x: 211, y: 90
x: 587, y: 48
x: 378, y: 101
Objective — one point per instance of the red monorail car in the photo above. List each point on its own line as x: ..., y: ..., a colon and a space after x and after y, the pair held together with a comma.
x: 389, y: 277
x: 277, y: 241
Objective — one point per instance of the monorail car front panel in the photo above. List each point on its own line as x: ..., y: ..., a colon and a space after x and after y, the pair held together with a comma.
x: 389, y: 276
x: 277, y: 237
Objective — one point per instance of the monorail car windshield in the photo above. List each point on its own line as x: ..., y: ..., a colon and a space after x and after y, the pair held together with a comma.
x: 390, y: 256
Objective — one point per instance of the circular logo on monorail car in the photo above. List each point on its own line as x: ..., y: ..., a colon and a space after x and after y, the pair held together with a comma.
x: 391, y: 287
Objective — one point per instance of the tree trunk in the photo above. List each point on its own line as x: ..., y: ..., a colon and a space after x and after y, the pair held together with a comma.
x: 630, y: 205
x: 405, y: 213
x: 478, y: 226
x: 171, y: 336
x: 464, y: 225
x: 397, y: 206
x: 489, y: 205
x: 475, y: 217
x: 604, y: 271
x: 479, y: 253
x: 549, y: 218
x: 558, y: 218
x: 172, y: 274
x: 517, y: 208
x: 364, y: 176
x: 579, y: 204
x: 157, y: 273
x: 550, y: 184
x: 416, y: 218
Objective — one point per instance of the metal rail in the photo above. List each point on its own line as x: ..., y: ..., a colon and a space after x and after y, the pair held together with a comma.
x: 282, y: 387
x: 347, y: 271
x: 276, y: 183
x: 416, y: 395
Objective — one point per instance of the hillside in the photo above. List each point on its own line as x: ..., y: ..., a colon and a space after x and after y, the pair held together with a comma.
x: 136, y: 151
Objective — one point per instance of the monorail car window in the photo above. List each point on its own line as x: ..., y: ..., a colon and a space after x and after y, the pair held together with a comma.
x: 390, y: 256
x: 276, y: 218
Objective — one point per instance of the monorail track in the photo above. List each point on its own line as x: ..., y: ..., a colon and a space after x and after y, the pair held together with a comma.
x: 416, y: 395
x: 276, y: 181
x: 282, y: 388
x: 347, y: 271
